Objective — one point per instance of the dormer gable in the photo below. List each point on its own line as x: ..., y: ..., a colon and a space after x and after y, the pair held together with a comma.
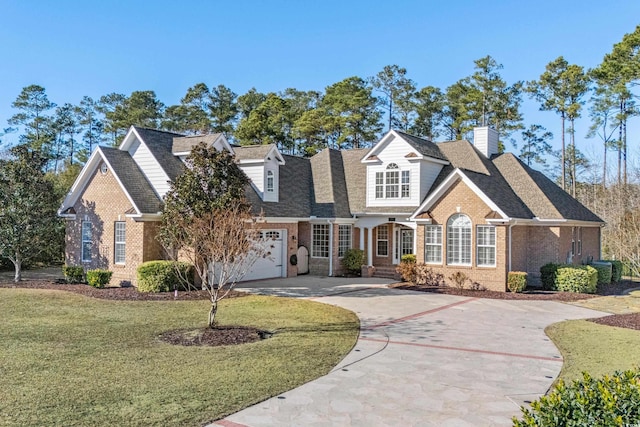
x: 182, y: 145
x: 400, y: 169
x: 261, y: 163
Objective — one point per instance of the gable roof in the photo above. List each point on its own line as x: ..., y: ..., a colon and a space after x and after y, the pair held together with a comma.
x: 423, y: 147
x: 329, y: 196
x: 246, y: 153
x: 184, y: 144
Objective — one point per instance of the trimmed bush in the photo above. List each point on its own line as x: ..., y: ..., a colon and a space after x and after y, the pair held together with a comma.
x: 616, y: 269
x: 407, y: 270
x: 408, y: 258
x: 164, y: 276
x: 427, y: 277
x: 73, y: 273
x: 98, y: 278
x: 609, y: 401
x: 604, y: 273
x: 517, y: 281
x: 353, y: 261
x: 582, y: 279
x: 548, y: 276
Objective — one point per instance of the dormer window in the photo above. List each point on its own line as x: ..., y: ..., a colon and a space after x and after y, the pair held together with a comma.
x: 393, y: 183
x: 270, y: 182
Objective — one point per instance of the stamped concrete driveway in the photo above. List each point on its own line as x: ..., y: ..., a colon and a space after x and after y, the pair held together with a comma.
x: 421, y: 359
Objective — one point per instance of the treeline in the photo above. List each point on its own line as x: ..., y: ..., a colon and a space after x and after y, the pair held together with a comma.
x: 354, y: 112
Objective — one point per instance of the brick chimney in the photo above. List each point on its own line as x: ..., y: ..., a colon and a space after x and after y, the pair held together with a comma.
x: 486, y: 140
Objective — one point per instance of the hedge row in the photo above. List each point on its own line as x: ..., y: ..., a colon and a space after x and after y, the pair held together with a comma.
x: 569, y: 278
x: 165, y: 276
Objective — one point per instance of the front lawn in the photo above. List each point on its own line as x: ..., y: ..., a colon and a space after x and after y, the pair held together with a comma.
x: 70, y: 360
x: 597, y: 349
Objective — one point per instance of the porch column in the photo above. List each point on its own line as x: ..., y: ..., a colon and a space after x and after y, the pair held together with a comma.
x: 361, y: 247
x: 369, y: 246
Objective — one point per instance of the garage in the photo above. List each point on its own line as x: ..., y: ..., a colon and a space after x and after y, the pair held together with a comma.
x: 271, y: 265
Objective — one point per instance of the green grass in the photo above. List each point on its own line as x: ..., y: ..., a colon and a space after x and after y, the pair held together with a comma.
x: 70, y: 360
x: 597, y: 349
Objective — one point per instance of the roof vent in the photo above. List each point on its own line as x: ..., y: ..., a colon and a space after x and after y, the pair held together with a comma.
x: 486, y: 140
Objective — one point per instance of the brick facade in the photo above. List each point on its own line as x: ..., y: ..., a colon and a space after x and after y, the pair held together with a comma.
x: 102, y: 204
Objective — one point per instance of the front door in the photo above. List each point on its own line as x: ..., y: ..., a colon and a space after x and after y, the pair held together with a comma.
x: 402, y: 243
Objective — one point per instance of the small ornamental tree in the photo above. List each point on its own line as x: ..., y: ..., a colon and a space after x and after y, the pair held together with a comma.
x: 28, y: 205
x: 207, y: 222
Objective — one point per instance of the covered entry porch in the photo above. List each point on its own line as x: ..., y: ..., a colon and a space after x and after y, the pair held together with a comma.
x: 385, y: 239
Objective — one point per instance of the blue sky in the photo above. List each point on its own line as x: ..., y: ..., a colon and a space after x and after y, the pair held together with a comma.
x: 76, y: 48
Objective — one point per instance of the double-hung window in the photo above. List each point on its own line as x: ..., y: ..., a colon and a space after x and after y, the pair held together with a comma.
x: 405, y: 189
x: 87, y: 241
x: 392, y: 177
x: 459, y: 240
x: 486, y: 245
x: 382, y: 240
x: 433, y: 244
x: 393, y: 183
x: 379, y: 185
x: 120, y: 240
x: 344, y: 239
x: 320, y: 242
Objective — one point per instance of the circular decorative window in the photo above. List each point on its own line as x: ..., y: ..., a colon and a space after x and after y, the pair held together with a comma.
x: 103, y: 168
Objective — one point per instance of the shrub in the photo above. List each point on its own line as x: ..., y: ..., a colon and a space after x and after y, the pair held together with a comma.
x: 408, y: 258
x: 459, y: 279
x: 517, y: 281
x: 353, y: 261
x: 616, y: 270
x: 548, y: 276
x: 609, y: 401
x: 407, y: 270
x: 427, y: 277
x: 98, y: 278
x: 164, y: 276
x: 73, y: 273
x: 583, y: 279
x: 604, y: 273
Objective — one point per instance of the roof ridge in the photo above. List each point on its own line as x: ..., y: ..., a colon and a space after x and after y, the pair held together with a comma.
x: 159, y: 130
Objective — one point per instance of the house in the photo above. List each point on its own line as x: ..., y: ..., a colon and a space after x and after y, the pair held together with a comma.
x: 457, y: 206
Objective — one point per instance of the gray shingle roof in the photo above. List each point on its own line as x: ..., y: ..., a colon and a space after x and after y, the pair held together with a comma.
x: 545, y: 199
x: 461, y: 154
x: 423, y: 146
x: 133, y: 180
x: 250, y: 152
x: 160, y: 143
x: 329, y: 190
x: 183, y: 144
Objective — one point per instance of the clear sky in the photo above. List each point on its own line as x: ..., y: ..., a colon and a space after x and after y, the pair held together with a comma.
x: 76, y: 48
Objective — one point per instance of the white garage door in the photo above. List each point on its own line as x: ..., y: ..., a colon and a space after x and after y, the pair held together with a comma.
x: 272, y: 264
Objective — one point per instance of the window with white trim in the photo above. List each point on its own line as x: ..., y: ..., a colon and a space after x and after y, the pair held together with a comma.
x: 270, y: 181
x: 392, y: 178
x: 486, y: 245
x: 393, y: 183
x: 379, y: 185
x: 87, y: 241
x: 576, y: 241
x: 344, y: 239
x: 405, y: 189
x: 382, y: 241
x: 320, y: 241
x: 120, y: 241
x: 459, y: 240
x: 433, y: 244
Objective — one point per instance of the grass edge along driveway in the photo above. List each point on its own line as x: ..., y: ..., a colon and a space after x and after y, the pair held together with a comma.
x: 70, y: 360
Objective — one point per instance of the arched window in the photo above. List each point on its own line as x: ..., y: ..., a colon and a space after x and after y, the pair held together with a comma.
x: 459, y: 240
x: 392, y: 190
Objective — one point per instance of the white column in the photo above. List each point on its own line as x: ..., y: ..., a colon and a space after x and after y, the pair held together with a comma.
x: 330, y: 249
x: 369, y: 246
x: 361, y: 238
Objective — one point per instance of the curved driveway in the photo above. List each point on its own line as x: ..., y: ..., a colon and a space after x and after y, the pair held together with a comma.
x: 421, y: 359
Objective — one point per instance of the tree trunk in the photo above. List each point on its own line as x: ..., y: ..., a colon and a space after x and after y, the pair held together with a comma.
x: 18, y: 266
x: 564, y: 186
x: 212, y: 313
x: 604, y: 167
x: 573, y: 159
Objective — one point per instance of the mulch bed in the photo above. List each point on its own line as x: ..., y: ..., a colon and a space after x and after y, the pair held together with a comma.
x: 630, y: 321
x: 221, y: 335
x: 119, y: 294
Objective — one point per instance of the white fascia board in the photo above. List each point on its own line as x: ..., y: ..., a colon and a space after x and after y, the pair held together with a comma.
x: 251, y: 161
x: 551, y: 222
x: 284, y: 220
x: 434, y: 160
x: 225, y: 143
x: 129, y: 138
x: 378, y: 146
x: 82, y: 180
x: 276, y: 153
x: 446, y: 184
x: 139, y: 217
x: 182, y: 153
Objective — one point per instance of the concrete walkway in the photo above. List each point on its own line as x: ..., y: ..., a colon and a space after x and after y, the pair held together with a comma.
x: 421, y: 359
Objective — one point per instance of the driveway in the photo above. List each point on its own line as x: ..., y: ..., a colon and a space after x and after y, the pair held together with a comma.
x: 421, y: 359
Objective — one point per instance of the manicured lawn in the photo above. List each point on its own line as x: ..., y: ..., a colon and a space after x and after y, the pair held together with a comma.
x: 597, y: 349
x: 70, y: 360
